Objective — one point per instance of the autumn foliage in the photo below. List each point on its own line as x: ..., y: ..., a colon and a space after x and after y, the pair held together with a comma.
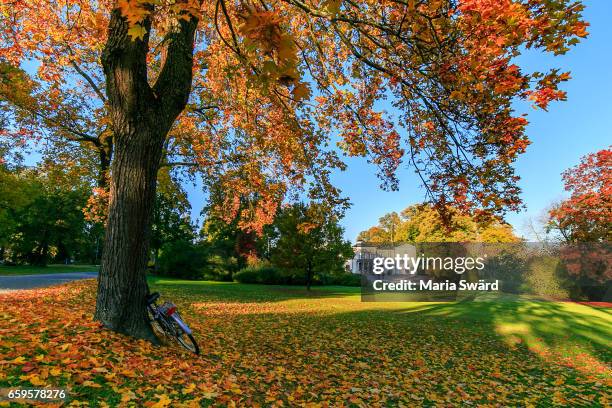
x: 423, y: 223
x: 278, y: 347
x: 586, y: 216
x: 283, y: 89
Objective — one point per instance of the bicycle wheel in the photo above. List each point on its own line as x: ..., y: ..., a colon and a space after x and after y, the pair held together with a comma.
x: 157, y: 327
x: 188, y: 342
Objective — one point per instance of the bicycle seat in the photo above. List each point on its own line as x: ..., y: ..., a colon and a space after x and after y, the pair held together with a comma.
x: 151, y: 298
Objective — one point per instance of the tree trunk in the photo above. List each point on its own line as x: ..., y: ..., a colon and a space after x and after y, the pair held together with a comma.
x: 122, y: 285
x: 141, y: 119
x: 105, y: 154
x: 308, y: 275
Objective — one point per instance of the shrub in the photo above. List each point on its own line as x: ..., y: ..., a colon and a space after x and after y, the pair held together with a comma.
x: 270, y: 275
x: 343, y: 279
x: 542, y: 278
x: 182, y: 259
x: 265, y: 274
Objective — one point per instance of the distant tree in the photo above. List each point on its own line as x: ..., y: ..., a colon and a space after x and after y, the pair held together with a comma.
x: 233, y: 243
x: 171, y: 217
x: 423, y: 223
x: 13, y: 198
x: 375, y: 235
x: 51, y: 225
x: 303, y: 244
x: 586, y: 216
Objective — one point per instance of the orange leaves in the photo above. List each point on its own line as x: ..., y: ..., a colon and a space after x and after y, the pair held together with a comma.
x: 96, y: 209
x: 137, y: 11
x: 445, y: 67
x: 271, y: 47
x: 262, y: 28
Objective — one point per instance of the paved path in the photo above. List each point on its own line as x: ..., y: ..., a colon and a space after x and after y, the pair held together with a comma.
x: 36, y: 281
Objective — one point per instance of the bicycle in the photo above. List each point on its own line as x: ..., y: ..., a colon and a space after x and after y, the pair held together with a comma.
x: 166, y: 321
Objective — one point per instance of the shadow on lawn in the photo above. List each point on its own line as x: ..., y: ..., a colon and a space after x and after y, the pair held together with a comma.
x: 569, y: 333
x: 577, y: 335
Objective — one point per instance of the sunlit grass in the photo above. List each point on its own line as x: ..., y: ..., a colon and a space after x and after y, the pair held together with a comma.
x: 575, y: 333
x: 37, y: 270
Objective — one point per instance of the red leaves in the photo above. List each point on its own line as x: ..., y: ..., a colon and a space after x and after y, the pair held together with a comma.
x: 587, y: 214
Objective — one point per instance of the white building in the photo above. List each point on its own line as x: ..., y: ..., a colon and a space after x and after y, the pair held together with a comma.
x: 363, y: 261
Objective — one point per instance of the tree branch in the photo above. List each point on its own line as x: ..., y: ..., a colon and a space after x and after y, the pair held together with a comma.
x: 173, y: 85
x: 89, y: 81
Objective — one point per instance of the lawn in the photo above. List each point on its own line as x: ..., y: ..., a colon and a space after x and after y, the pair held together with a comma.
x: 283, y: 346
x: 35, y: 270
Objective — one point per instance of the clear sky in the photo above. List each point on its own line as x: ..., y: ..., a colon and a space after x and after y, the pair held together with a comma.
x: 569, y: 130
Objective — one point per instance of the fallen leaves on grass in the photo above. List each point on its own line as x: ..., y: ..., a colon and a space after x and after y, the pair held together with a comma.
x: 304, y: 352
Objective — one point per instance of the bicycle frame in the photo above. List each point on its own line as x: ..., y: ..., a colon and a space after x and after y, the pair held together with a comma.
x: 163, y: 318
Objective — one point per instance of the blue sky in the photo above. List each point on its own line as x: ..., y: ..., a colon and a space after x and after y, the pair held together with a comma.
x: 561, y: 136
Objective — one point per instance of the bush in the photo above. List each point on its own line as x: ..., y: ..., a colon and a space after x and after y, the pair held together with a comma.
x: 269, y: 275
x: 542, y: 278
x: 343, y: 279
x: 182, y: 259
x: 218, y: 268
x: 265, y: 274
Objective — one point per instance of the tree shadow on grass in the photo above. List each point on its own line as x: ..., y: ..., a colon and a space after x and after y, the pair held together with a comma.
x: 389, y: 354
x: 568, y: 333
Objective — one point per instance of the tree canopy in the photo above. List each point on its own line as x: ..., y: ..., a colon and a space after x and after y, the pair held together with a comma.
x: 586, y: 216
x: 304, y: 246
x: 423, y: 223
x: 277, y: 85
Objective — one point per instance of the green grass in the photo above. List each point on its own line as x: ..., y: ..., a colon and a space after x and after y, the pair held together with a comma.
x: 566, y: 329
x: 36, y: 270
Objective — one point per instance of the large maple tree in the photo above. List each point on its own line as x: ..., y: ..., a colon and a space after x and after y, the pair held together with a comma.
x: 263, y: 98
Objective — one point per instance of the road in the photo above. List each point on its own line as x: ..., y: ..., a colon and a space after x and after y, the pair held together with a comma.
x: 15, y: 282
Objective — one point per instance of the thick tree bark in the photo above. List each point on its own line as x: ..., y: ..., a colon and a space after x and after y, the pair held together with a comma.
x: 141, y: 118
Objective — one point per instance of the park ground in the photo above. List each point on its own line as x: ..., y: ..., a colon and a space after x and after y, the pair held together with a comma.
x: 283, y: 346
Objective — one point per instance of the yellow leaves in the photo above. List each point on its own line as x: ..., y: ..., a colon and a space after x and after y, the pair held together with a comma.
x: 55, y: 372
x: 332, y: 6
x: 162, y: 402
x: 127, y: 396
x: 327, y: 350
x: 128, y: 373
x: 189, y: 389
x: 91, y: 384
x: 36, y: 380
x: 137, y: 32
